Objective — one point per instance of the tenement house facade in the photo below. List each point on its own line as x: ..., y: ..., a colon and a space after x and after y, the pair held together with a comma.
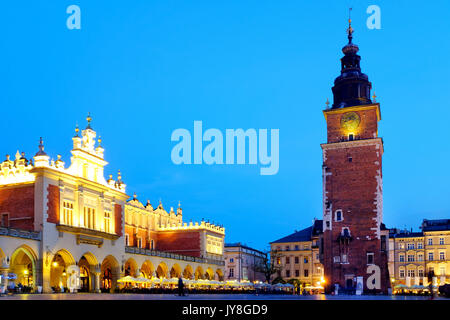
x: 296, y: 256
x: 244, y: 263
x: 67, y: 226
x: 414, y: 255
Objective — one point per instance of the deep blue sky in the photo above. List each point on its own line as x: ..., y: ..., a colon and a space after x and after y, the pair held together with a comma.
x: 145, y: 68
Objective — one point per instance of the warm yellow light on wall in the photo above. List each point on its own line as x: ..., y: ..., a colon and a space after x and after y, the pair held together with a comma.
x: 55, y: 264
x: 350, y: 136
x: 25, y: 272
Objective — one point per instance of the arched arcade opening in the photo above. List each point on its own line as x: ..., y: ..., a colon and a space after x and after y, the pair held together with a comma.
x: 23, y: 266
x: 58, y: 270
x: 88, y: 267
x: 109, y: 274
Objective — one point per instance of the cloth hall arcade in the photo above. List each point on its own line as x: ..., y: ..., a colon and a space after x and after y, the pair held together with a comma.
x: 68, y: 224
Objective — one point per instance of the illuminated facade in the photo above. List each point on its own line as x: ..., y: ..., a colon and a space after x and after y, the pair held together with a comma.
x: 243, y: 263
x: 412, y: 255
x: 296, y: 256
x: 61, y: 224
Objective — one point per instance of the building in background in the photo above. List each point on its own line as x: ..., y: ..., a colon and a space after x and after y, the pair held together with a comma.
x: 412, y: 255
x: 297, y: 256
x: 70, y: 227
x: 244, y: 263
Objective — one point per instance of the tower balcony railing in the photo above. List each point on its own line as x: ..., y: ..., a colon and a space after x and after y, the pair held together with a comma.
x: 170, y: 255
x: 24, y: 234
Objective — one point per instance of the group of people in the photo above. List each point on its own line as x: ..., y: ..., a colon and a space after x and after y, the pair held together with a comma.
x: 11, y: 288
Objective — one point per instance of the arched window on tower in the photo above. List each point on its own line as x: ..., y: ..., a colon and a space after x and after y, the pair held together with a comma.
x: 338, y: 215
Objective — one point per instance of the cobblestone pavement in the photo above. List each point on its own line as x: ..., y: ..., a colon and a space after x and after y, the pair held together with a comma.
x: 94, y: 296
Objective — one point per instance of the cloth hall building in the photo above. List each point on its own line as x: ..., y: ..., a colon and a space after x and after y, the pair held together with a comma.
x: 61, y: 224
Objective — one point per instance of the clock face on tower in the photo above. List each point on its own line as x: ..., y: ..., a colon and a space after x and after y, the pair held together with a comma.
x: 350, y: 121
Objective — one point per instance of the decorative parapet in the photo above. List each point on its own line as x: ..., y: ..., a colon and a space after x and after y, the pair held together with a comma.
x: 169, y: 255
x: 17, y: 171
x: 24, y: 234
x: 194, y: 226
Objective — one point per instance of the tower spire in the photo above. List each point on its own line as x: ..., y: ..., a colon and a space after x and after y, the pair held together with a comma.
x: 352, y: 87
x: 350, y: 29
x: 89, y: 119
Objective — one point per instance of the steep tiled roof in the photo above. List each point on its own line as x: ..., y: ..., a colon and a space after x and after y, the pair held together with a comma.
x: 407, y: 235
x: 302, y: 235
x: 436, y: 225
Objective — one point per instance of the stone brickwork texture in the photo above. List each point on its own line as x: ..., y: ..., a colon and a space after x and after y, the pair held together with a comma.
x: 118, y: 219
x: 181, y: 242
x: 53, y: 204
x: 17, y: 205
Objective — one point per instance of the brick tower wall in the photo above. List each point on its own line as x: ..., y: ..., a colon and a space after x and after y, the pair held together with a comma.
x: 353, y: 184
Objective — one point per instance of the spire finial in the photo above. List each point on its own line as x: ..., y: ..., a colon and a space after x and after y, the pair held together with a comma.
x: 41, y: 145
x: 350, y: 29
x: 89, y: 119
x: 374, y: 97
x: 327, y: 103
x: 76, y: 129
x: 99, y: 141
x: 41, y: 148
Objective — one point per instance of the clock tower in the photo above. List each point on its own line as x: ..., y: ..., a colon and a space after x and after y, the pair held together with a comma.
x: 354, y: 241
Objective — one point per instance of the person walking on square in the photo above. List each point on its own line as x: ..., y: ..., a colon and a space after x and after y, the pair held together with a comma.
x: 430, y: 281
x: 180, y: 287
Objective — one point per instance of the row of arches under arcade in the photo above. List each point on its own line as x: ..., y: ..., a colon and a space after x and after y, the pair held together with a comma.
x: 93, y: 276
x: 148, y: 270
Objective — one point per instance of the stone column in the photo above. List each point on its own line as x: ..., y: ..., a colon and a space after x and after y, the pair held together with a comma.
x: 115, y: 274
x: 97, y: 282
x: 95, y: 271
x: 38, y: 276
x: 4, y: 283
x: 43, y: 267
